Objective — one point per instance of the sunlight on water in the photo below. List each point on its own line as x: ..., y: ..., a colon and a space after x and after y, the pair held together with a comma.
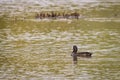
x: 40, y: 49
x: 103, y: 19
x: 47, y: 55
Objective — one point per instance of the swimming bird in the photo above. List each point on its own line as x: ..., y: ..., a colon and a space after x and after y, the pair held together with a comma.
x: 80, y: 54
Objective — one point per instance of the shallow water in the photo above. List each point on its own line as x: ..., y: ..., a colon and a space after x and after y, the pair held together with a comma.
x: 33, y: 49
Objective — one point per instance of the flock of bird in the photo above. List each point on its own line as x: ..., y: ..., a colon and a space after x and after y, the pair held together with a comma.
x: 57, y: 15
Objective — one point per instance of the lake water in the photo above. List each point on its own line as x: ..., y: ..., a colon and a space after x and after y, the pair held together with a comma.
x: 41, y: 50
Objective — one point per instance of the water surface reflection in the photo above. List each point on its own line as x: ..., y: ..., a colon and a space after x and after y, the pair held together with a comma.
x: 40, y: 55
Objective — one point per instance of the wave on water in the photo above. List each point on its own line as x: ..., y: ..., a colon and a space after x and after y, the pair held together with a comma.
x: 16, y: 7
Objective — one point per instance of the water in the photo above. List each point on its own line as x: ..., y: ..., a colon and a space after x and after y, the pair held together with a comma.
x: 46, y: 55
x: 32, y: 49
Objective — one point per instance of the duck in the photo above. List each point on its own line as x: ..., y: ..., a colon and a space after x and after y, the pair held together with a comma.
x: 75, y: 53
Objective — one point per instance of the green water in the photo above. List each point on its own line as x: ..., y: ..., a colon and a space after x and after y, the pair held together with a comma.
x: 41, y: 50
x: 32, y: 49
